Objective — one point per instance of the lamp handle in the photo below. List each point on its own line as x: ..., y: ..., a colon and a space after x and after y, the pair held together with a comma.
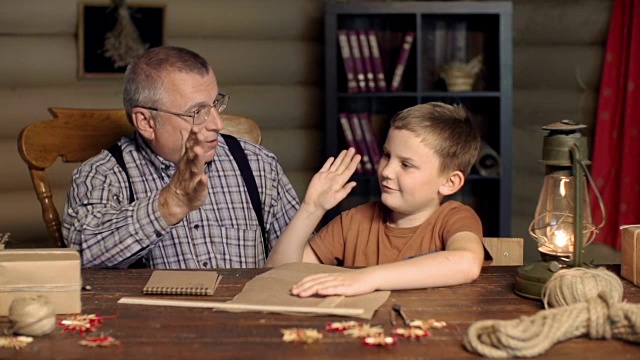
x: 600, y: 202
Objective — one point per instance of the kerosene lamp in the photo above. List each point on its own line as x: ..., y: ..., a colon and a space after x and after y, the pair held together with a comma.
x: 562, y: 224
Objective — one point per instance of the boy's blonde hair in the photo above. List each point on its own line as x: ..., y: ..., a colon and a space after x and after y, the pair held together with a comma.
x: 446, y: 129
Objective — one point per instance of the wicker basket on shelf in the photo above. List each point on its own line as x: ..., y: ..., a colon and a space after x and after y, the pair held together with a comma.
x: 460, y: 76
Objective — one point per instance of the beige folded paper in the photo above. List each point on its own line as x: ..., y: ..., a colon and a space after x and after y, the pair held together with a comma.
x: 54, y: 273
x: 271, y: 292
x: 274, y: 288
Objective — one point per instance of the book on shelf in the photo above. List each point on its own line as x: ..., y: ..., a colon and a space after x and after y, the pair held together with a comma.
x: 357, y: 60
x: 352, y: 85
x: 366, y: 60
x: 376, y: 61
x: 348, y: 136
x: 440, y: 46
x: 459, y: 44
x: 430, y: 70
x: 475, y: 47
x: 361, y: 146
x: 181, y: 282
x: 370, y: 139
x: 389, y: 45
x: 402, y: 61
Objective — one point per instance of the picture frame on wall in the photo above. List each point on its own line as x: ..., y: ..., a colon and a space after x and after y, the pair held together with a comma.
x: 128, y: 31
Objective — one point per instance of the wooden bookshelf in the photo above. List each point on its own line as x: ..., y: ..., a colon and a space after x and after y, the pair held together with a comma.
x: 444, y: 32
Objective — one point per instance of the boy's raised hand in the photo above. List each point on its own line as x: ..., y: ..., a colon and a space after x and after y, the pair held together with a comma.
x: 329, y: 185
x: 326, y: 189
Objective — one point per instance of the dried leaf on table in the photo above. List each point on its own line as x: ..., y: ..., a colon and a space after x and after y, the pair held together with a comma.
x: 300, y: 335
x: 99, y: 341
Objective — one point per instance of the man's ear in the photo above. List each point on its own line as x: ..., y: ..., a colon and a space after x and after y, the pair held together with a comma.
x: 452, y: 184
x: 144, y: 123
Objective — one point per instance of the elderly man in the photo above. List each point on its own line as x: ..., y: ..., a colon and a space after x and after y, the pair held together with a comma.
x: 176, y: 197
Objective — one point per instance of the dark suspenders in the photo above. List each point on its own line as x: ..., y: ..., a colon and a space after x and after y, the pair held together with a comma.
x: 116, y: 151
x: 241, y: 160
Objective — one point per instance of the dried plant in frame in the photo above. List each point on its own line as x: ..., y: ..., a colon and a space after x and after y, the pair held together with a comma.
x: 110, y: 35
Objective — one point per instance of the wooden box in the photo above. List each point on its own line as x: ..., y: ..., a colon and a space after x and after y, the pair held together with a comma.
x: 54, y: 273
x: 630, y: 253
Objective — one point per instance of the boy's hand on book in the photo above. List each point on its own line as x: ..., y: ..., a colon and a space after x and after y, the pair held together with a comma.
x: 329, y: 186
x: 349, y: 283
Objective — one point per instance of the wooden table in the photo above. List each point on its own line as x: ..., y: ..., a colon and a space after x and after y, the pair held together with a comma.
x: 152, y: 332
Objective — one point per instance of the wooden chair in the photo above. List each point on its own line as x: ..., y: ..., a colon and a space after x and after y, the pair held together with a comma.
x: 505, y: 251
x: 75, y: 135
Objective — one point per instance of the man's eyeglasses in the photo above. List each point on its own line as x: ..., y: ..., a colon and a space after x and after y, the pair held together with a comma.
x: 199, y: 116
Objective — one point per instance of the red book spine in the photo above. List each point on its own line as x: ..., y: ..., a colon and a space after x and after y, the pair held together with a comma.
x: 370, y: 139
x: 361, y: 146
x: 348, y: 135
x: 357, y: 60
x: 352, y: 86
x: 402, y: 61
x: 378, y: 70
x: 366, y: 60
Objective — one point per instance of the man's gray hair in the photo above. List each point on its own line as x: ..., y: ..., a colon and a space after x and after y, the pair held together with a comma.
x: 143, y: 79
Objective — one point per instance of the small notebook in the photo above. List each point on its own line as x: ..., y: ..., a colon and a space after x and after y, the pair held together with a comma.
x: 169, y: 282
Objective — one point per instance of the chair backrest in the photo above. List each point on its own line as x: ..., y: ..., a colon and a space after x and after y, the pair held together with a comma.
x: 505, y: 251
x: 75, y: 135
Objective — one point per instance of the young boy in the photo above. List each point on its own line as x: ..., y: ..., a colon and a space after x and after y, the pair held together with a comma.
x: 409, y: 239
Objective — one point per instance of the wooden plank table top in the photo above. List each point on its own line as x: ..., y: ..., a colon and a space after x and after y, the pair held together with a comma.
x: 158, y: 332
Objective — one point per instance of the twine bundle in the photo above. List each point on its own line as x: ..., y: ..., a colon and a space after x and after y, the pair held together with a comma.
x: 31, y: 315
x: 599, y: 317
x: 575, y: 285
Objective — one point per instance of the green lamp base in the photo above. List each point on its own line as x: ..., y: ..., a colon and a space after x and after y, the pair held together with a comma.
x: 531, y: 278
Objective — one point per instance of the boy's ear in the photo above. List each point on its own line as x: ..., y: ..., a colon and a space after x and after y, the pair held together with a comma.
x: 144, y: 123
x: 452, y: 184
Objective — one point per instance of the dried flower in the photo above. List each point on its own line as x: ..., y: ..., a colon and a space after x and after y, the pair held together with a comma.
x: 299, y: 335
x: 411, y: 332
x: 99, y: 341
x: 15, y: 342
x: 341, y: 326
x: 123, y: 44
x: 428, y: 324
x: 379, y: 340
x: 364, y: 330
x: 81, y: 323
x: 4, y: 238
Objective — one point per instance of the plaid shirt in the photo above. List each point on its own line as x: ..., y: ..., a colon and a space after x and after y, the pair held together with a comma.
x: 109, y: 231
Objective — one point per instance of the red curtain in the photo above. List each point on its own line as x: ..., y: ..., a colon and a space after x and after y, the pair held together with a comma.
x: 616, y: 153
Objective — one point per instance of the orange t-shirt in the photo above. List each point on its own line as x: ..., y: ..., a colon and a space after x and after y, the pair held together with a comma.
x: 361, y: 237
